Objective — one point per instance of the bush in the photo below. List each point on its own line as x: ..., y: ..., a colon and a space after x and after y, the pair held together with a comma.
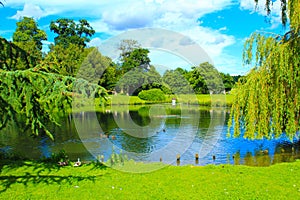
x: 57, y: 158
x: 152, y: 95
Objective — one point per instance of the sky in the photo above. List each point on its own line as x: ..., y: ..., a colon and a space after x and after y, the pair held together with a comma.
x: 219, y: 27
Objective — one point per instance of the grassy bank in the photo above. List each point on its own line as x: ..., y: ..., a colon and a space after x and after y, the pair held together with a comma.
x: 202, y: 100
x: 121, y: 100
x: 29, y: 180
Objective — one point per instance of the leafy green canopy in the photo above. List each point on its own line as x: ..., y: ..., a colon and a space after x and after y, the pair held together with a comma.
x: 12, y: 57
x: 69, y: 32
x: 39, y: 95
x: 66, y: 60
x: 28, y: 31
x: 136, y: 58
x: 94, y: 66
x: 208, y: 79
x: 267, y: 103
x: 176, y: 82
x: 29, y: 38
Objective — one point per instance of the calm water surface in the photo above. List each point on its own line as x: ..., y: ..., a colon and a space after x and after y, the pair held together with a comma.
x: 151, y: 133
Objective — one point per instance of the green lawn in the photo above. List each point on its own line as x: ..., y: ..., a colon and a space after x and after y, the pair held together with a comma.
x: 201, y: 99
x: 29, y: 180
x: 116, y: 100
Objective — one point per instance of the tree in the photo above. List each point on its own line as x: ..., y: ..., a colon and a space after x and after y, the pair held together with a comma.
x: 136, y: 58
x: 70, y: 32
x: 33, y: 97
x: 29, y: 37
x: 228, y: 81
x: 212, y: 78
x: 134, y: 67
x: 127, y: 46
x: 94, y: 66
x: 66, y: 60
x: 176, y: 82
x: 109, y: 78
x: 69, y: 51
x: 131, y: 81
x: 13, y: 57
x: 197, y: 81
x: 153, y: 79
x: 37, y: 96
x: 267, y: 102
x: 132, y: 56
x: 138, y: 79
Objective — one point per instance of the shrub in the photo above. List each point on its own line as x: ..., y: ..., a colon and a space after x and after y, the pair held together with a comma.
x: 152, y: 95
x: 56, y: 158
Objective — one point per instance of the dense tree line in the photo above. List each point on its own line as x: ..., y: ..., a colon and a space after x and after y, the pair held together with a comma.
x: 133, y: 74
x: 36, y: 84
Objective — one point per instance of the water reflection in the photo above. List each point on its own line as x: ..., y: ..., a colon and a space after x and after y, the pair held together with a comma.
x: 158, y: 130
x: 284, y: 152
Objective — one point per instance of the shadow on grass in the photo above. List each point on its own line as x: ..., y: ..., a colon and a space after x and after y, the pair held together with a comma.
x: 38, y: 172
x: 8, y: 181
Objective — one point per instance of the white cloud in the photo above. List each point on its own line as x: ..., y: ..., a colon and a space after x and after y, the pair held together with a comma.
x: 30, y: 10
x: 95, y: 42
x: 101, y: 26
x: 192, y: 8
x: 212, y: 41
x: 113, y: 17
x: 136, y: 16
x: 223, y: 28
x: 118, y: 12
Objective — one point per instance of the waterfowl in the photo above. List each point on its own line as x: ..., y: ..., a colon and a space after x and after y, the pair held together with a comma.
x: 63, y: 163
x: 78, y: 163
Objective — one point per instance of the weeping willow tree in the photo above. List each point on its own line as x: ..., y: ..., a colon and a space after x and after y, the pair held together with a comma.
x: 33, y: 97
x: 267, y: 103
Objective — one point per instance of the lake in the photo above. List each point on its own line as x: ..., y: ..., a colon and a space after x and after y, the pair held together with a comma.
x: 151, y: 134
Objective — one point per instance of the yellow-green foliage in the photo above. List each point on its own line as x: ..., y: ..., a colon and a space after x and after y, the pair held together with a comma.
x: 267, y: 104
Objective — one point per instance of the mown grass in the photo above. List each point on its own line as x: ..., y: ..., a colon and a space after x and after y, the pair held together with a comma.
x: 121, y: 100
x: 31, y: 180
x: 202, y: 100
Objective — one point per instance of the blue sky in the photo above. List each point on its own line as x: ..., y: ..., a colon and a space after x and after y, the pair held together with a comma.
x: 219, y: 27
